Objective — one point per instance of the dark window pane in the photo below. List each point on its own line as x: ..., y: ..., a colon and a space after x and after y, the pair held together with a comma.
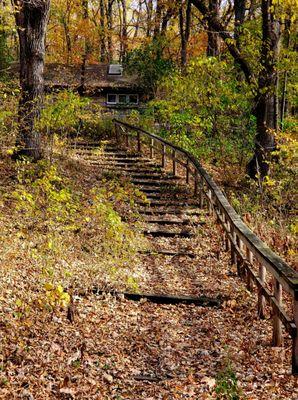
x: 122, y: 98
x: 133, y: 98
x: 112, y: 98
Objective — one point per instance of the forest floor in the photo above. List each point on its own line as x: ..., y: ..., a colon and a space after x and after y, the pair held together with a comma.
x: 120, y: 349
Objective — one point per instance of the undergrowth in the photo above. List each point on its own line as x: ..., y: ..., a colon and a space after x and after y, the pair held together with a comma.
x: 62, y: 236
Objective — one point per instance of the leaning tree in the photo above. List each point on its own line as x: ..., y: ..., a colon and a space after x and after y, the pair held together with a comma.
x: 31, y: 19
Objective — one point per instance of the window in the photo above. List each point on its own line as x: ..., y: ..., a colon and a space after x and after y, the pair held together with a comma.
x: 115, y: 69
x: 123, y: 98
x: 112, y: 99
x: 133, y: 98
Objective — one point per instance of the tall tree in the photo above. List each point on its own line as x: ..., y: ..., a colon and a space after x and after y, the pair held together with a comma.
x: 265, y: 79
x: 213, y: 38
x: 31, y: 19
x: 184, y: 28
x: 86, y: 46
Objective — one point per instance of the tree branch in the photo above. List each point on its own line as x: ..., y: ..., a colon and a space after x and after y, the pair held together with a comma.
x: 219, y: 27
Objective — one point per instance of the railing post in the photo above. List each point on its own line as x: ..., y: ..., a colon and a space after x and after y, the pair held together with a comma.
x: 174, y: 162
x: 139, y: 142
x: 233, y: 243
x: 117, y: 134
x: 187, y: 171
x: 196, y: 183
x: 250, y: 259
x: 277, y: 329
x: 126, y: 139
x: 151, y: 148
x: 239, y: 258
x: 295, y: 337
x: 163, y: 156
x: 201, y: 192
x: 210, y: 202
x: 261, y: 298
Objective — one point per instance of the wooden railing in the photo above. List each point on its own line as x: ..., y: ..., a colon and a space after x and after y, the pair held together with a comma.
x: 253, y: 258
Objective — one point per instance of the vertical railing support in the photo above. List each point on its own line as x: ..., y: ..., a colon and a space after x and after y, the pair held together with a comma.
x: 163, y: 156
x: 139, y: 142
x: 174, y: 162
x: 210, y: 202
x: 196, y: 182
x: 126, y: 139
x: 277, y: 329
x: 250, y: 258
x: 151, y: 148
x: 233, y: 243
x: 187, y: 171
x: 295, y: 336
x: 201, y: 192
x: 261, y: 298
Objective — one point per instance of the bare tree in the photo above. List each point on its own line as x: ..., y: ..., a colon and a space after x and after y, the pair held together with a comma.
x: 184, y: 28
x: 31, y: 19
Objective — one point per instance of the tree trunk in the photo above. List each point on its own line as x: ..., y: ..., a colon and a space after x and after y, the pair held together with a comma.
x: 184, y: 25
x: 86, y: 50
x: 102, y: 32
x: 110, y: 28
x: 31, y: 20
x: 123, y: 33
x: 166, y: 18
x: 157, y: 19
x: 213, y: 38
x: 3, y: 38
x: 239, y: 10
x: 265, y: 109
x: 149, y: 7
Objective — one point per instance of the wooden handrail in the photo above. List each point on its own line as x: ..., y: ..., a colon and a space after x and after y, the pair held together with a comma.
x: 246, y: 247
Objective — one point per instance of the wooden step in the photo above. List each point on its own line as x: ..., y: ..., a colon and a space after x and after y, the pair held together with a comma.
x: 164, y: 233
x: 172, y: 211
x: 202, y: 301
x: 169, y: 203
x: 168, y: 221
x: 168, y: 253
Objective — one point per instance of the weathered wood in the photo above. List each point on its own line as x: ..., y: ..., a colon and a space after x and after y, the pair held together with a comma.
x: 187, y: 171
x: 202, y: 301
x: 261, y: 298
x: 165, y: 233
x: 169, y: 253
x: 139, y: 142
x: 250, y: 258
x: 295, y: 337
x: 246, y: 248
x: 163, y: 155
x: 277, y: 329
x: 151, y: 148
x: 174, y: 162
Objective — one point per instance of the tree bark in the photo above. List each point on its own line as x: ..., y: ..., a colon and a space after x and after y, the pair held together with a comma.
x: 102, y: 32
x: 31, y: 20
x: 265, y: 101
x: 3, y: 38
x: 264, y: 110
x: 239, y: 11
x: 184, y: 25
x: 110, y: 28
x: 213, y: 38
x: 123, y: 33
x: 85, y: 12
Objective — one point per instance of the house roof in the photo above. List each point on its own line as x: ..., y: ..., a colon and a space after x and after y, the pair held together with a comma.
x: 96, y: 77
